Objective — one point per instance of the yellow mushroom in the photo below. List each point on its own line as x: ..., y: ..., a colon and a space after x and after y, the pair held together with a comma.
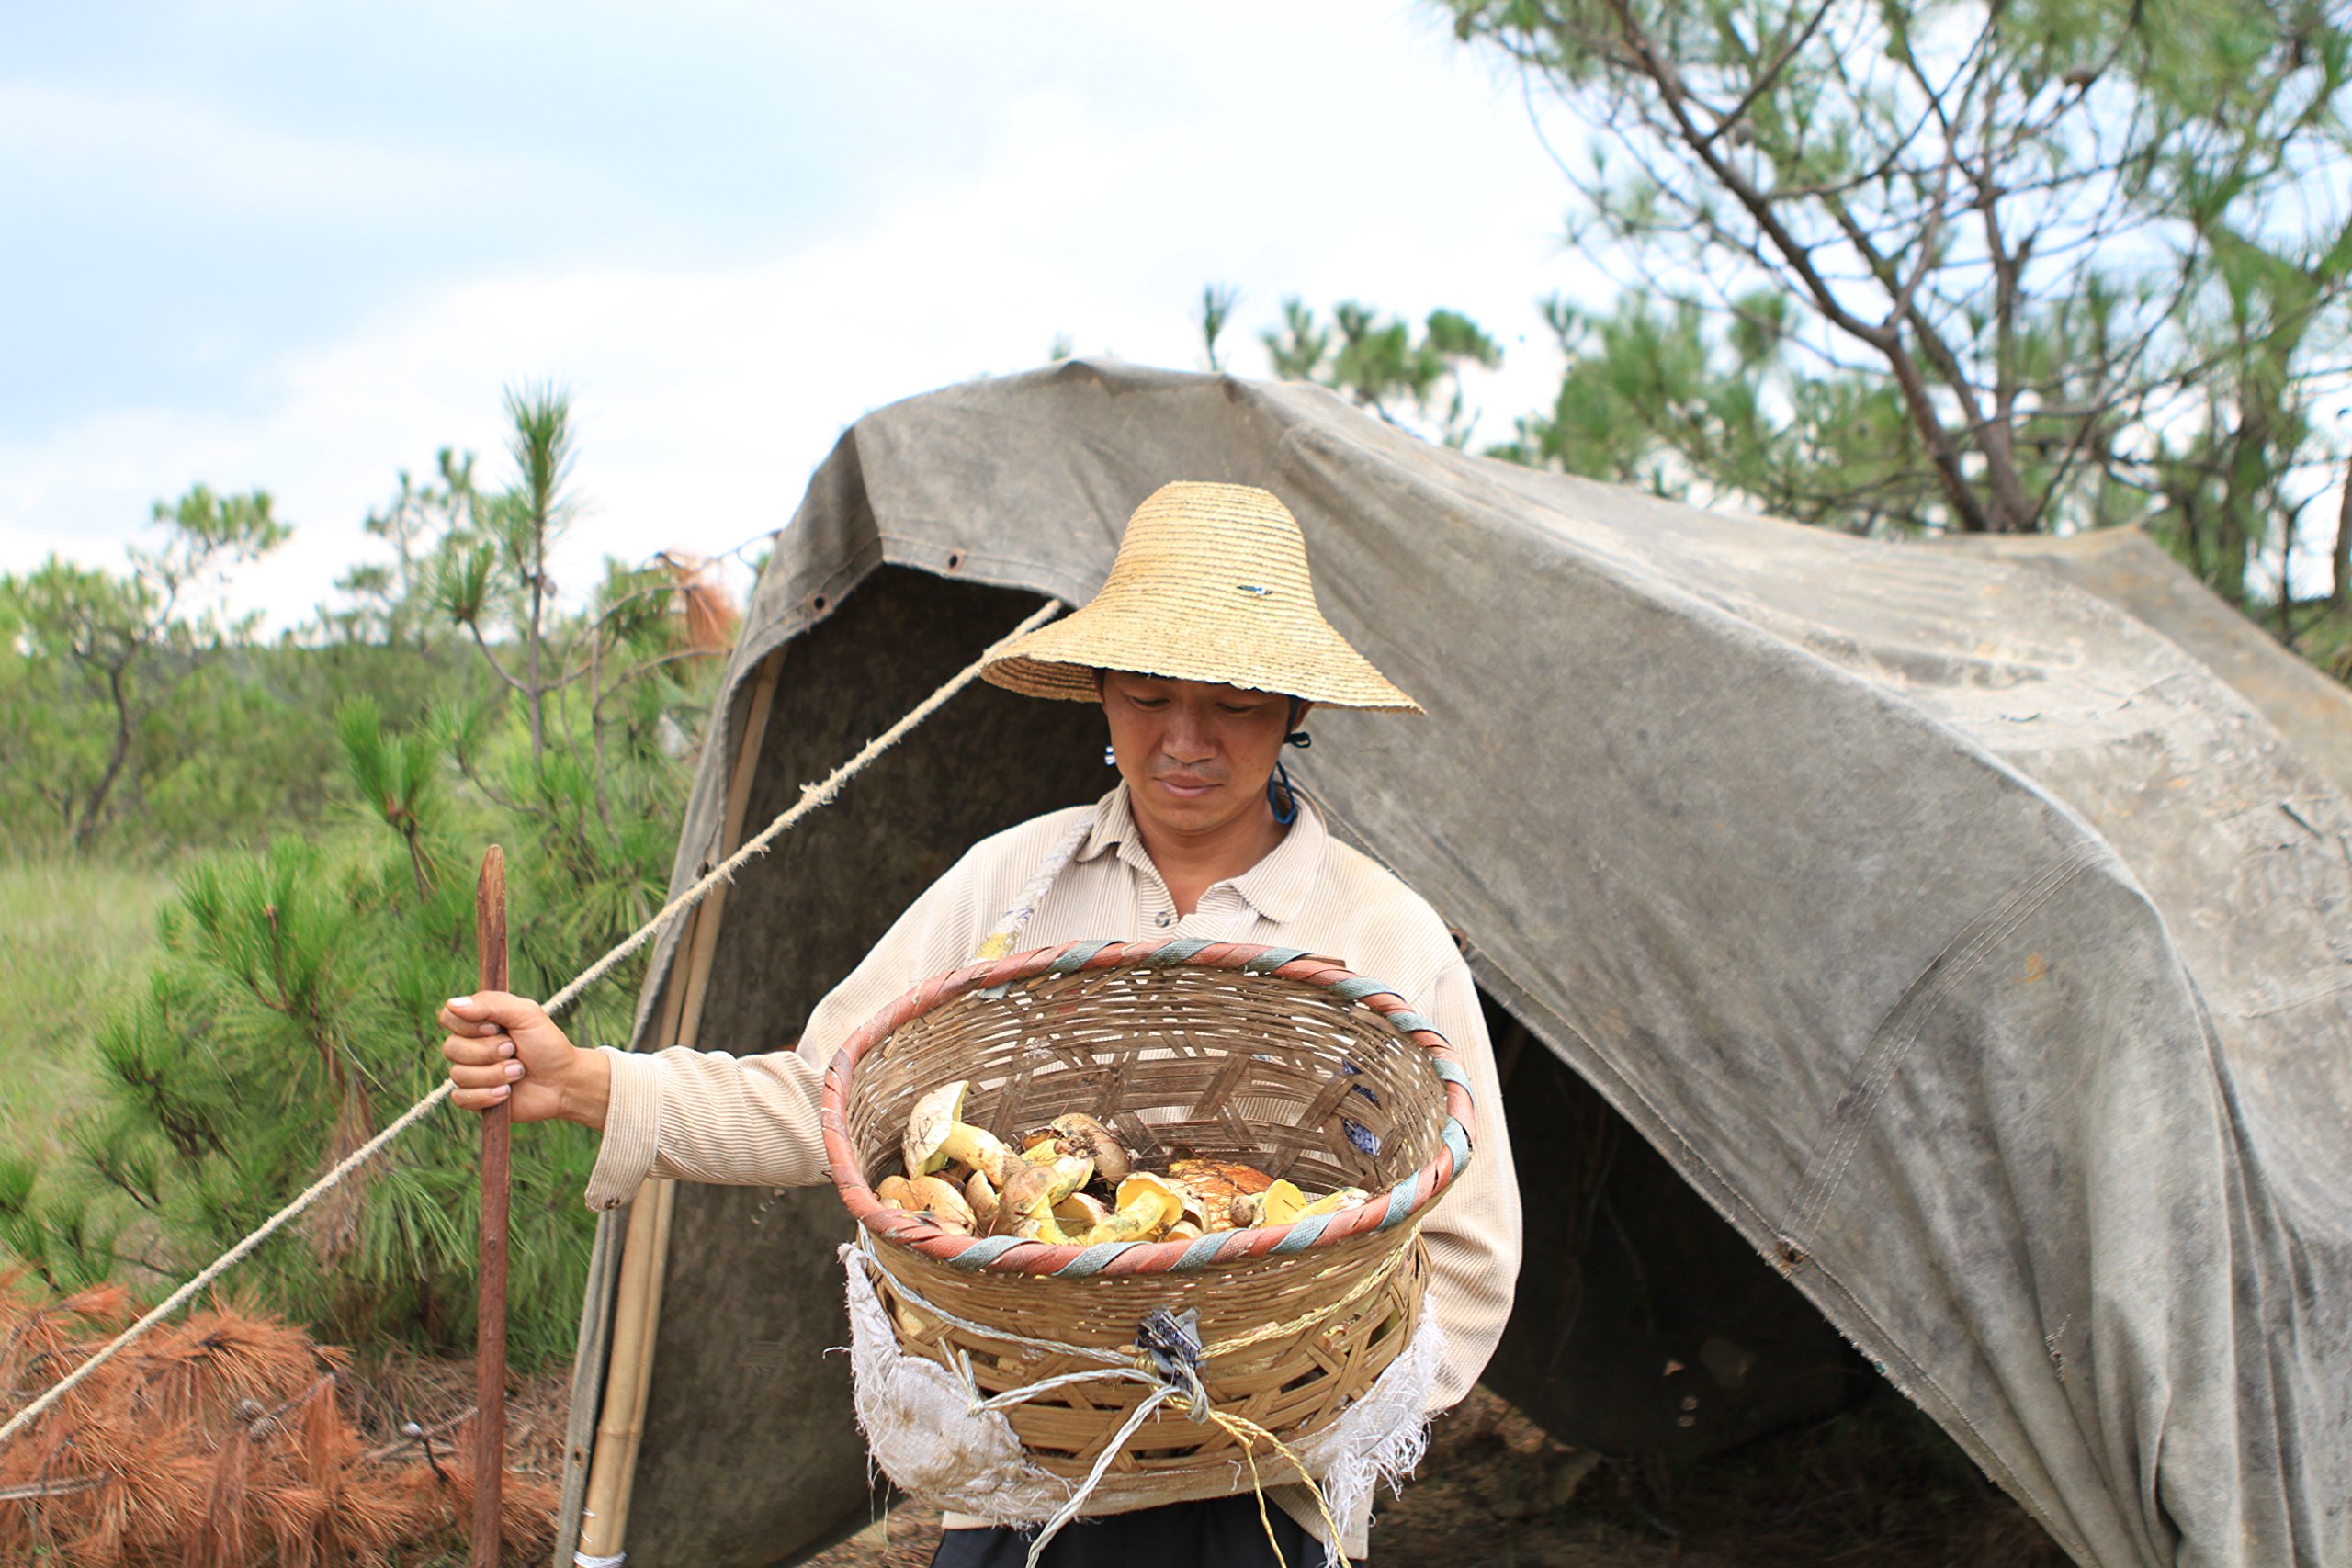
x: 1079, y: 1212
x: 1149, y: 1205
x: 1281, y: 1203
x: 1332, y: 1202
x: 1184, y: 1230
x: 935, y: 1135
x: 894, y: 1191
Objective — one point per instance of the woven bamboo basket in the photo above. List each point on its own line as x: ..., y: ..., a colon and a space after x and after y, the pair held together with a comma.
x: 1272, y: 1056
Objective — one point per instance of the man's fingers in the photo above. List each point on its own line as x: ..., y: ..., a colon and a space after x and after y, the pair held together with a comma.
x: 474, y: 1051
x: 494, y: 1075
x: 480, y: 1098
x: 502, y: 1008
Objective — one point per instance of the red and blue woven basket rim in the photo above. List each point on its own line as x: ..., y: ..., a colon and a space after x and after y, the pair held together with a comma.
x: 1383, y: 1210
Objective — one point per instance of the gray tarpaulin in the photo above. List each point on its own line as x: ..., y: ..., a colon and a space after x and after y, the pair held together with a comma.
x: 1984, y: 957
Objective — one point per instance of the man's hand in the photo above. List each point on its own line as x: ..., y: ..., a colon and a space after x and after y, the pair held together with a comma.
x: 504, y: 1050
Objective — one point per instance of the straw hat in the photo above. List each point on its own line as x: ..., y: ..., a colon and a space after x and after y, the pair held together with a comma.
x: 1210, y: 584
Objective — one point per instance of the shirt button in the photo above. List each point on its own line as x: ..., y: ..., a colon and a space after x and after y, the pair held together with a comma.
x: 1166, y: 919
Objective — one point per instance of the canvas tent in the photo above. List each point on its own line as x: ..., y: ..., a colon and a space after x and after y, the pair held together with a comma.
x: 1982, y: 959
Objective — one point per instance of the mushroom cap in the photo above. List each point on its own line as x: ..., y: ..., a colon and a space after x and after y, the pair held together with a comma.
x: 895, y: 1191
x: 934, y: 1115
x: 1220, y: 1178
x: 946, y: 1204
x: 1332, y: 1202
x: 1112, y: 1161
x: 1155, y: 1197
x: 1281, y: 1203
x: 1080, y: 1212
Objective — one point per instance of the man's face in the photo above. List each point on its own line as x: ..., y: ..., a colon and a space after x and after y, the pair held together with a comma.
x: 1196, y: 757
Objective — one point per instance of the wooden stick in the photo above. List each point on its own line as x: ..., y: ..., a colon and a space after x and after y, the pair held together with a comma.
x: 490, y: 1317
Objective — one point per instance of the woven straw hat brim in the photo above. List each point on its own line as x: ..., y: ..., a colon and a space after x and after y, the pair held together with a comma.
x: 1210, y: 584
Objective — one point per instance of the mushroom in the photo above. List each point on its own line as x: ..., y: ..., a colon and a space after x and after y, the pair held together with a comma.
x: 935, y: 1135
x: 1024, y: 1207
x: 1184, y: 1230
x: 1332, y: 1202
x: 946, y: 1204
x: 1081, y: 1213
x: 1112, y: 1161
x: 1149, y: 1205
x: 1215, y: 1185
x: 894, y: 1191
x: 1215, y: 1178
x: 981, y: 1192
x: 1280, y: 1204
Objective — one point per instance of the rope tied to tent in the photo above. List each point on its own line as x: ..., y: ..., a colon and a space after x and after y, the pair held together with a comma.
x: 812, y: 798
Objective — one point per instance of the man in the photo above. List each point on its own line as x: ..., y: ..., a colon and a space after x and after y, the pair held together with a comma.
x: 1206, y: 649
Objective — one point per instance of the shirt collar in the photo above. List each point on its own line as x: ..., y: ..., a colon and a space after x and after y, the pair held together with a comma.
x: 1277, y: 886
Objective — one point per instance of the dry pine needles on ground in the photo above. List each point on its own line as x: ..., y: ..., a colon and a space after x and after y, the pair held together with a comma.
x: 226, y: 1440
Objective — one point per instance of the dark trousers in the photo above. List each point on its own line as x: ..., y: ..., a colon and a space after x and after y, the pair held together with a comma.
x: 1220, y: 1532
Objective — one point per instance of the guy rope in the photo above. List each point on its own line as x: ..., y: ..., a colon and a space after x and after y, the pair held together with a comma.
x: 812, y: 798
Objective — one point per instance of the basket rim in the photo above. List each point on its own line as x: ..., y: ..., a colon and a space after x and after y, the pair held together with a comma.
x: 1385, y: 1209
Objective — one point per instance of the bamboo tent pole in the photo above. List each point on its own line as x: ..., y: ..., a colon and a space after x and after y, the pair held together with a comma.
x: 645, y: 1247
x: 490, y: 1317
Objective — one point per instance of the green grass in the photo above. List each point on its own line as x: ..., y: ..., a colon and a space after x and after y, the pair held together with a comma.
x: 75, y: 935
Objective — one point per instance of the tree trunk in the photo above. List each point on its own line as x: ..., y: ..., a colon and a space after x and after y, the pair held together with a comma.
x: 2339, y: 592
x: 87, y: 829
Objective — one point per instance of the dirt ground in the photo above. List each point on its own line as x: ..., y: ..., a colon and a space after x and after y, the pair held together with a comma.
x: 1876, y: 1487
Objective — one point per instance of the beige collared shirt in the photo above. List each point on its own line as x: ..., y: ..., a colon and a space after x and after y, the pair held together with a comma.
x: 707, y: 1116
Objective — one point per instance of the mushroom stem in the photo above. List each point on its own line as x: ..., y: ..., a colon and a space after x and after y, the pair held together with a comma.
x: 1026, y: 1205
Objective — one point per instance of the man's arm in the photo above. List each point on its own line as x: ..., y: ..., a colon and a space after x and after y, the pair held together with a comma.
x: 1473, y: 1231
x: 753, y: 1120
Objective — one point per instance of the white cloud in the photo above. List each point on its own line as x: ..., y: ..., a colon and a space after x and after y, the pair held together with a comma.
x: 705, y: 395
x: 150, y: 149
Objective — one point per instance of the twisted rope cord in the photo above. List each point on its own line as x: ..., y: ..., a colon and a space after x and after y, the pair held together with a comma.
x: 811, y: 798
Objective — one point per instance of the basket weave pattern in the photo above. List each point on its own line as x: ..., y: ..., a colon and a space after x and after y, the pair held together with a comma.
x: 1227, y: 1051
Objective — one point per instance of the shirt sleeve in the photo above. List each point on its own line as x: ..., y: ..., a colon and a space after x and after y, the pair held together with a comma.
x: 730, y: 1121
x: 1473, y: 1231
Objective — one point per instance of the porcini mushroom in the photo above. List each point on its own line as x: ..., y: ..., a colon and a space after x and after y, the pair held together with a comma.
x: 1098, y: 1143
x: 894, y: 1191
x: 946, y: 1204
x: 981, y: 1194
x: 936, y: 1134
x: 1026, y: 1205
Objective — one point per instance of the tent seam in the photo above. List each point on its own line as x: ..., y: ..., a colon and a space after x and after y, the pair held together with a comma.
x: 1919, y: 1000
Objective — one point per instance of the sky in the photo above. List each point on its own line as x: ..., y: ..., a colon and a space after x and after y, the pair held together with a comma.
x: 301, y: 247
